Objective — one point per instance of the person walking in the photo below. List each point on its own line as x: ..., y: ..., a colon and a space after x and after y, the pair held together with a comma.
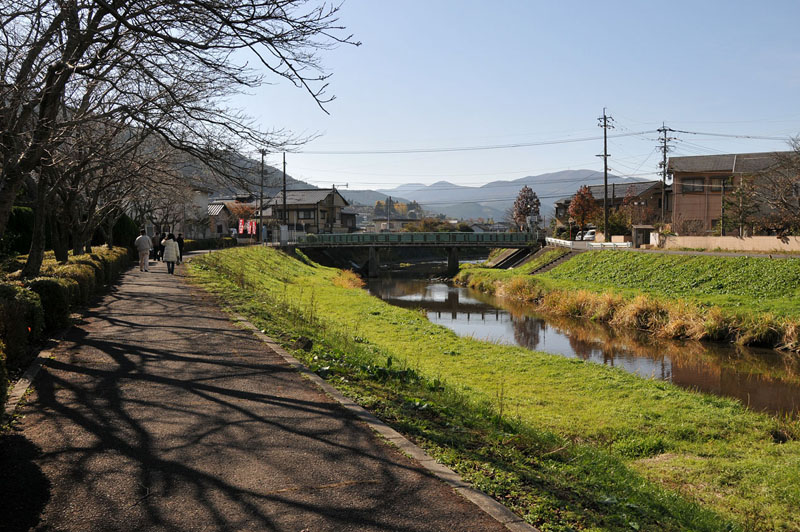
x: 156, y: 245
x: 171, y: 252
x: 143, y: 245
x: 161, y: 245
x: 179, y: 240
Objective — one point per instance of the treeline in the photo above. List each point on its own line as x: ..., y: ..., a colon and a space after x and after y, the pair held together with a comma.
x: 110, y: 108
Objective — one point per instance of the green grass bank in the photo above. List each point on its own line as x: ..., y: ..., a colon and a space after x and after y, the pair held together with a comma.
x: 566, y: 444
x: 741, y: 299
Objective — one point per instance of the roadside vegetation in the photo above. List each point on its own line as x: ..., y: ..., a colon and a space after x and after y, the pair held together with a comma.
x: 29, y: 308
x: 741, y: 299
x: 568, y: 445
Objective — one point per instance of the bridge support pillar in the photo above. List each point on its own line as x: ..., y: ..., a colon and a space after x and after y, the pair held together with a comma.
x: 452, y: 261
x: 374, y: 262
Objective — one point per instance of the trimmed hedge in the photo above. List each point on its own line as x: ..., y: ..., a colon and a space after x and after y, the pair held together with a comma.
x: 55, y: 295
x: 208, y: 243
x: 89, y: 271
x: 21, y: 321
x: 25, y: 309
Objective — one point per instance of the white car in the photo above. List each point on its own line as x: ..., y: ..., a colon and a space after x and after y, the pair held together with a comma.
x: 579, y: 236
x: 589, y: 235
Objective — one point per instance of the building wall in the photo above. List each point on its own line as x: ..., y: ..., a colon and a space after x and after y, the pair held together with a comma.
x: 766, y: 244
x: 697, y: 211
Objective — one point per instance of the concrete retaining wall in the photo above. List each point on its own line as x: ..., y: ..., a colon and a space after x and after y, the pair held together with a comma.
x: 753, y: 243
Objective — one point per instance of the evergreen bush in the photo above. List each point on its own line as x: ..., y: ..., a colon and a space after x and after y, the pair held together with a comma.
x: 54, y: 294
x: 21, y: 321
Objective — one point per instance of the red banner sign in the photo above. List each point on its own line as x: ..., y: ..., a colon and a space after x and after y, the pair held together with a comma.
x: 241, y: 225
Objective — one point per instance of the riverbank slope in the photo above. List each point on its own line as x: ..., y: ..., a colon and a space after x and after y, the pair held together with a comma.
x: 566, y: 444
x: 746, y: 300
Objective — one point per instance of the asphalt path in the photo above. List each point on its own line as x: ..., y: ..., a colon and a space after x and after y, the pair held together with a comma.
x: 158, y: 413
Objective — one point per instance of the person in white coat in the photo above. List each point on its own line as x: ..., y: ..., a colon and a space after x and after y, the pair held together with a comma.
x: 171, y: 252
x: 143, y: 245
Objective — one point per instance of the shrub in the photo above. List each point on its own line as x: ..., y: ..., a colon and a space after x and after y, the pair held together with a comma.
x: 641, y: 313
x: 348, y: 279
x: 21, y: 321
x: 125, y: 231
x: 54, y: 294
x: 83, y: 275
x: 17, y: 237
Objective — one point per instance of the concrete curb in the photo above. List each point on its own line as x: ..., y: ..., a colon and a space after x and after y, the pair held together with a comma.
x: 19, y: 389
x: 496, y: 510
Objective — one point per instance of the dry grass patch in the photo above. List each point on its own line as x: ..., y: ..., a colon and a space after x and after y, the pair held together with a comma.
x: 348, y: 279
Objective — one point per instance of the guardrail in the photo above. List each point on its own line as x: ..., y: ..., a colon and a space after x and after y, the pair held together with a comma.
x: 564, y: 243
x: 609, y: 245
x: 582, y: 244
x: 366, y: 239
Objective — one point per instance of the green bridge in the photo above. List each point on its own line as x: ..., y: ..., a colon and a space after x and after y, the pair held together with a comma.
x: 450, y: 241
x: 507, y: 240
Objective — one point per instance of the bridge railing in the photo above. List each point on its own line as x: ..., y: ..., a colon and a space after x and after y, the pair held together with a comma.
x: 355, y: 239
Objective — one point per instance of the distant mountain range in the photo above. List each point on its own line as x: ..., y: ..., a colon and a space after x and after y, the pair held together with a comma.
x: 493, y: 199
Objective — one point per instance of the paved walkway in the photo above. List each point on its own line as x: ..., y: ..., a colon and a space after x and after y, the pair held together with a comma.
x: 157, y: 413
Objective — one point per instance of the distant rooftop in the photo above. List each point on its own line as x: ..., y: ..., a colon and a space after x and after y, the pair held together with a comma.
x: 619, y: 190
x: 733, y: 163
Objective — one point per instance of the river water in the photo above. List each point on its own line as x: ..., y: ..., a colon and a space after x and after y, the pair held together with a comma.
x: 763, y: 379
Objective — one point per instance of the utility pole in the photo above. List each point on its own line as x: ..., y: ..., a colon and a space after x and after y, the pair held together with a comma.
x: 665, y: 147
x: 722, y: 209
x: 605, y: 123
x: 261, y: 200
x: 285, y: 212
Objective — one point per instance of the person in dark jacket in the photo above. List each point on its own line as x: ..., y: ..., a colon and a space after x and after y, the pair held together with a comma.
x: 161, y: 246
x: 179, y: 240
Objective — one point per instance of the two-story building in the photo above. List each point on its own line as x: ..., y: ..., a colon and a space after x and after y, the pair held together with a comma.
x: 311, y: 211
x: 700, y: 181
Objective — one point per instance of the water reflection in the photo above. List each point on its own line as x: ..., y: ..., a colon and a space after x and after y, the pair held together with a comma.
x: 764, y: 379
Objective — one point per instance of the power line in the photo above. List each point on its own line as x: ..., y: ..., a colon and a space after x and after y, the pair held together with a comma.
x: 755, y: 137
x: 470, y: 148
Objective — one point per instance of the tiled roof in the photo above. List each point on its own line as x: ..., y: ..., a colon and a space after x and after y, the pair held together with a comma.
x: 734, y: 163
x: 617, y: 190
x: 301, y: 197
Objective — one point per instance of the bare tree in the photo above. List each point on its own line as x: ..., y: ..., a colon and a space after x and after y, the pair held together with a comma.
x: 742, y: 209
x: 166, y: 64
x: 526, y: 205
x: 777, y: 189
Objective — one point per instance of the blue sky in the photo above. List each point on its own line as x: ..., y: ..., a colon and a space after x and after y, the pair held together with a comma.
x: 443, y: 74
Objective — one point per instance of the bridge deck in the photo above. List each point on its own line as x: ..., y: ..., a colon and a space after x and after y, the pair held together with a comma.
x: 506, y: 240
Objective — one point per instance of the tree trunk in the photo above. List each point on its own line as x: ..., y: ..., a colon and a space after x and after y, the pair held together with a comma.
x: 10, y: 181
x: 36, y: 255
x: 58, y: 236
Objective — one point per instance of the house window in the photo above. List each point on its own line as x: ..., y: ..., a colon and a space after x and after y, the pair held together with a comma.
x: 219, y: 229
x: 306, y: 214
x: 692, y: 184
x: 716, y: 183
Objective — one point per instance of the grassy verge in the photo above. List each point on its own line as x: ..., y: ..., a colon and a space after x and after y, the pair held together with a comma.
x: 568, y: 445
x: 742, y: 299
